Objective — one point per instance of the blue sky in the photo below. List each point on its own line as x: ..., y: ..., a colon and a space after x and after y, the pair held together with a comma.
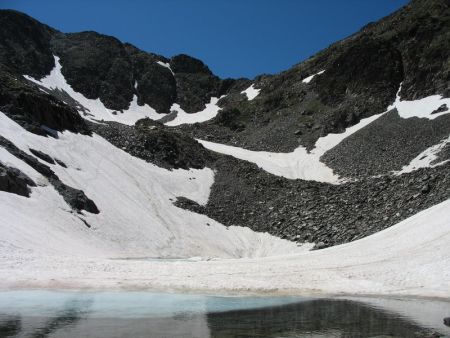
x: 235, y: 38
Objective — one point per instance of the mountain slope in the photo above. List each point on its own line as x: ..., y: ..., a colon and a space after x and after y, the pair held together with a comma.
x: 361, y: 76
x: 103, y: 136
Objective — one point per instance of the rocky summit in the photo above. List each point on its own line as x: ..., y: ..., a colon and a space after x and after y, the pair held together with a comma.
x: 342, y: 145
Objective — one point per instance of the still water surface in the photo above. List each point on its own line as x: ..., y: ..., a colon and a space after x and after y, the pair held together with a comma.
x: 142, y: 314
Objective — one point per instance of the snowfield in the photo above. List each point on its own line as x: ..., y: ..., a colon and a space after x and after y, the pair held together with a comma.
x: 137, y: 217
x: 140, y: 240
x: 408, y: 259
x: 45, y: 245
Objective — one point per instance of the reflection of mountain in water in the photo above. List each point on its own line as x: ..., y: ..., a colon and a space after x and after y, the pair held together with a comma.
x: 72, y: 312
x: 10, y: 326
x: 317, y: 318
x: 320, y: 318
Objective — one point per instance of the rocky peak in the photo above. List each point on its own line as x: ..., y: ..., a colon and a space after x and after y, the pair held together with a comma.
x: 25, y: 44
x: 186, y: 64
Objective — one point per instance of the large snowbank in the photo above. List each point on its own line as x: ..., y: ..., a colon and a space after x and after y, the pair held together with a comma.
x: 137, y: 217
x: 410, y: 258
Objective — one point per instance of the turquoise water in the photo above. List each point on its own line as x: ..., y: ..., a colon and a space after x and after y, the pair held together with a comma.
x: 142, y: 314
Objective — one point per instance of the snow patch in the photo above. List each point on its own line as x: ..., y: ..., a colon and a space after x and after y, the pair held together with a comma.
x: 142, y: 111
x: 422, y: 108
x: 251, y: 92
x: 309, y: 78
x: 426, y: 158
x: 298, y: 164
x: 166, y: 65
x: 211, y: 110
x: 96, y: 110
x: 137, y: 217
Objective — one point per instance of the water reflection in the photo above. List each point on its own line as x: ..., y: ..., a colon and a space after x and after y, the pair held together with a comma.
x: 128, y: 314
x: 72, y: 312
x: 10, y: 326
x: 318, y: 318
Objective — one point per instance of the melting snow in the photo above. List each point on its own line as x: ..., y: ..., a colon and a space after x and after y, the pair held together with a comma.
x: 137, y: 217
x: 426, y: 158
x: 410, y: 258
x: 422, y: 108
x: 309, y: 78
x: 251, y: 92
x: 211, y: 110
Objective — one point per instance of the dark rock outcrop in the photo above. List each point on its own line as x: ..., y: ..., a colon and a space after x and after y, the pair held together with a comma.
x: 14, y: 181
x: 155, y: 84
x: 98, y: 66
x: 43, y: 156
x: 75, y: 198
x: 34, y: 110
x: 25, y: 44
x: 196, y: 84
x: 151, y: 142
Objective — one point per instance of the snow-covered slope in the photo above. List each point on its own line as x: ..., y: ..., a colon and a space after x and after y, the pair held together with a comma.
x: 95, y: 110
x: 426, y: 107
x: 299, y: 164
x: 137, y: 217
x: 44, y: 238
x: 426, y: 159
x: 211, y: 110
x: 410, y: 258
